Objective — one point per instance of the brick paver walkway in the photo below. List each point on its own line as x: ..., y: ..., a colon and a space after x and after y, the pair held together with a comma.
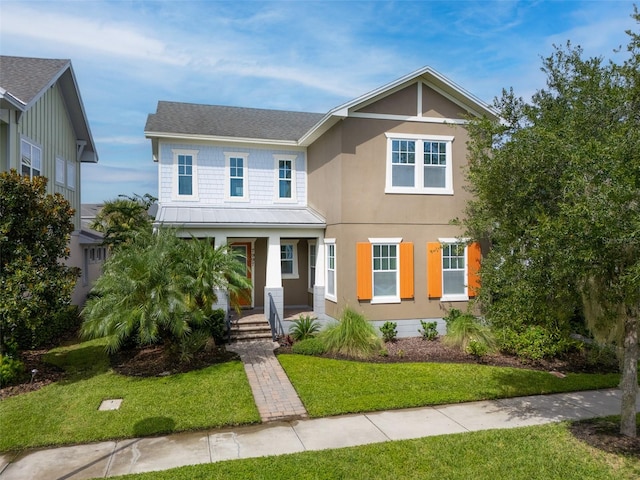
x: 274, y: 395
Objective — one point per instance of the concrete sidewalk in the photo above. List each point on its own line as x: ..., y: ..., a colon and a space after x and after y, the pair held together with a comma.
x: 106, y: 459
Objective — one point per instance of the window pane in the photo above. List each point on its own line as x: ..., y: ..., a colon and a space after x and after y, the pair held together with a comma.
x: 384, y: 284
x: 403, y: 175
x: 184, y: 185
x: 331, y: 283
x: 285, y: 188
x: 453, y: 282
x: 435, y: 176
x: 287, y: 266
x: 236, y: 187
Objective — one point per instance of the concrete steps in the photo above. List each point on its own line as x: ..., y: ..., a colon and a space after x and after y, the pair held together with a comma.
x: 254, y: 327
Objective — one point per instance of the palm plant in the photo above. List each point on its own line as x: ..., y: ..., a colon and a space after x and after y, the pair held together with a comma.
x: 138, y: 295
x: 304, y: 327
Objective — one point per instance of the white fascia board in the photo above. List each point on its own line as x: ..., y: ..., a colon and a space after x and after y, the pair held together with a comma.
x: 12, y: 100
x: 214, y: 138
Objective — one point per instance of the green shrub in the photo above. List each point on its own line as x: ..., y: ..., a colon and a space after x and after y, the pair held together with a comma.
x: 11, y: 370
x: 304, y: 327
x: 476, y: 348
x: 217, y: 325
x: 353, y: 336
x: 308, y: 346
x: 429, y: 330
x: 186, y: 347
x: 451, y: 316
x: 534, y: 343
x: 49, y: 332
x: 465, y: 328
x: 389, y: 331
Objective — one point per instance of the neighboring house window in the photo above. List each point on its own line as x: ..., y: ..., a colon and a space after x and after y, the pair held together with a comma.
x: 289, y: 258
x: 186, y: 182
x: 286, y: 177
x: 237, y: 181
x: 384, y: 270
x: 330, y: 249
x: 452, y: 269
x: 60, y: 173
x: 85, y: 268
x: 419, y: 164
x: 71, y: 175
x: 31, y: 162
x: 312, y: 266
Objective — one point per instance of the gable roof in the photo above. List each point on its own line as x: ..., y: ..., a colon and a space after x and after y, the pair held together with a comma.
x: 193, y: 120
x: 24, y: 80
x: 187, y: 120
x: 427, y: 75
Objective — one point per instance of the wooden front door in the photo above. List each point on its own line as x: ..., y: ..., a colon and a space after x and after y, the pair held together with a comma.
x: 242, y: 251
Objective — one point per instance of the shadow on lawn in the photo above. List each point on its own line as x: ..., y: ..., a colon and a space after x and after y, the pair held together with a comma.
x: 80, y: 363
x: 153, y: 426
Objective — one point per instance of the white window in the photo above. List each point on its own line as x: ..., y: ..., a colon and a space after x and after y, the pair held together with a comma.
x: 289, y: 258
x: 60, y: 173
x: 31, y: 162
x: 285, y: 177
x: 237, y: 180
x: 419, y: 164
x: 185, y: 174
x: 386, y: 267
x: 330, y: 249
x: 312, y: 265
x: 71, y: 175
x: 454, y: 269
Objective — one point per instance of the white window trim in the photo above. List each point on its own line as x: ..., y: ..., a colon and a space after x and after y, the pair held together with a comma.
x: 60, y: 174
x: 460, y: 297
x: 310, y: 281
x: 293, y: 159
x: 419, y: 165
x: 194, y: 175
x: 386, y: 298
x: 33, y: 145
x: 71, y: 175
x: 245, y: 176
x: 294, y: 275
x: 331, y: 296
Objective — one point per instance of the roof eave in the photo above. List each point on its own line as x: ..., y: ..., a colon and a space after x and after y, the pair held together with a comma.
x: 219, y: 138
x: 310, y: 226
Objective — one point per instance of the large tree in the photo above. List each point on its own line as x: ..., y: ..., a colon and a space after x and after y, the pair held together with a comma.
x: 556, y: 189
x: 35, y: 285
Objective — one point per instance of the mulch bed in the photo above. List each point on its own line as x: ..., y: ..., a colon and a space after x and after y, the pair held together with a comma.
x: 158, y: 361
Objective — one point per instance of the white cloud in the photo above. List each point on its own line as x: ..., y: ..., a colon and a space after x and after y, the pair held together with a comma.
x: 84, y: 33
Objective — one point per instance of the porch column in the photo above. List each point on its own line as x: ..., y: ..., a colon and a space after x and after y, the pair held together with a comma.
x: 273, y: 284
x: 221, y: 294
x: 318, y: 284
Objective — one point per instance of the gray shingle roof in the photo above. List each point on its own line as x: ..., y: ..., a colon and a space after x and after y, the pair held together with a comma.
x: 235, y: 122
x: 24, y: 78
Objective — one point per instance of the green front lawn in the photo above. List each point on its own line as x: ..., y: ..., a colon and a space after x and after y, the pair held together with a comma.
x: 545, y: 452
x: 67, y: 412
x: 334, y: 387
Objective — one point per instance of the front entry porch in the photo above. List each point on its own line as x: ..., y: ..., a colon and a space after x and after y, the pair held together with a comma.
x: 252, y: 324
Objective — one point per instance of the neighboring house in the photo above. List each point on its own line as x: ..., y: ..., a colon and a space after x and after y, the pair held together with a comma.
x: 348, y: 208
x: 44, y: 131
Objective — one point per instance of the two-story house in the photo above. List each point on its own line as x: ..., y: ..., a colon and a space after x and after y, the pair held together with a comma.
x: 44, y: 131
x: 348, y: 208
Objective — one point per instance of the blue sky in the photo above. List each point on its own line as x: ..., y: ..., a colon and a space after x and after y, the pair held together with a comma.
x: 290, y: 55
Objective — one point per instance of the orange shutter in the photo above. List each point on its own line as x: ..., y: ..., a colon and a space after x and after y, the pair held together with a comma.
x: 473, y: 281
x: 406, y: 270
x: 364, y: 272
x: 434, y: 269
